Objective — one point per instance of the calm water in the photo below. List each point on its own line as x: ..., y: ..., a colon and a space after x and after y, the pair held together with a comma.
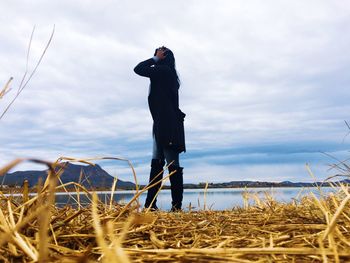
x: 216, y: 199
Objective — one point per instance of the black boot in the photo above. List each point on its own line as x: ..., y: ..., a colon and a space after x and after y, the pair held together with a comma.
x: 177, y: 187
x: 156, y: 175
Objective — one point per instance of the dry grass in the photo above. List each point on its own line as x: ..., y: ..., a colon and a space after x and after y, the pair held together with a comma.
x: 312, y: 230
x: 6, y: 88
x: 27, y: 76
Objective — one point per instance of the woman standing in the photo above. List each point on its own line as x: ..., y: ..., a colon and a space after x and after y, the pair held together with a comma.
x: 168, y: 128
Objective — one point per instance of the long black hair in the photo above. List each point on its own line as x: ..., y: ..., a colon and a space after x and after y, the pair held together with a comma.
x: 169, y: 61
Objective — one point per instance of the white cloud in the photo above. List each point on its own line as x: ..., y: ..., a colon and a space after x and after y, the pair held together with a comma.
x: 252, y: 72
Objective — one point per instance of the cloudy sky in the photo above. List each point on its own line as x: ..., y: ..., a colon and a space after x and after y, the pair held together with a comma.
x: 265, y: 84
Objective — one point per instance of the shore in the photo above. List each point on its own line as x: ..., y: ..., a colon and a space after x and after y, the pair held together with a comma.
x: 310, y: 230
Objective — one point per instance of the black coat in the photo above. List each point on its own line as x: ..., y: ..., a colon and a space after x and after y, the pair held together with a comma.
x: 163, y: 101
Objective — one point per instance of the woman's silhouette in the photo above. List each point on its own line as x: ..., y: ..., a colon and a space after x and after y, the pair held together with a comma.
x: 168, y: 128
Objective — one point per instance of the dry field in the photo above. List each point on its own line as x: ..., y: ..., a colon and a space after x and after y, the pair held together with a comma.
x: 34, y: 229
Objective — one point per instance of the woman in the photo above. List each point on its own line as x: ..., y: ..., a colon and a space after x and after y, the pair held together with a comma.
x: 168, y: 128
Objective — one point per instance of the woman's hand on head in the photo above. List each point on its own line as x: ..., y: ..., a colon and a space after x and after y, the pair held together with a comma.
x: 160, y: 53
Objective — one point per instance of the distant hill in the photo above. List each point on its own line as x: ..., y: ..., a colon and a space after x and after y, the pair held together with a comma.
x: 93, y: 177
x: 254, y: 184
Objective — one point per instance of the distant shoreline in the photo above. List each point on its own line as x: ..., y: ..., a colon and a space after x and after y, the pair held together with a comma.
x: 18, y: 190
x: 94, y: 178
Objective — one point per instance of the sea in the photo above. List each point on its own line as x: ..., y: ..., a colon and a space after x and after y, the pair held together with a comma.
x: 201, y: 199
